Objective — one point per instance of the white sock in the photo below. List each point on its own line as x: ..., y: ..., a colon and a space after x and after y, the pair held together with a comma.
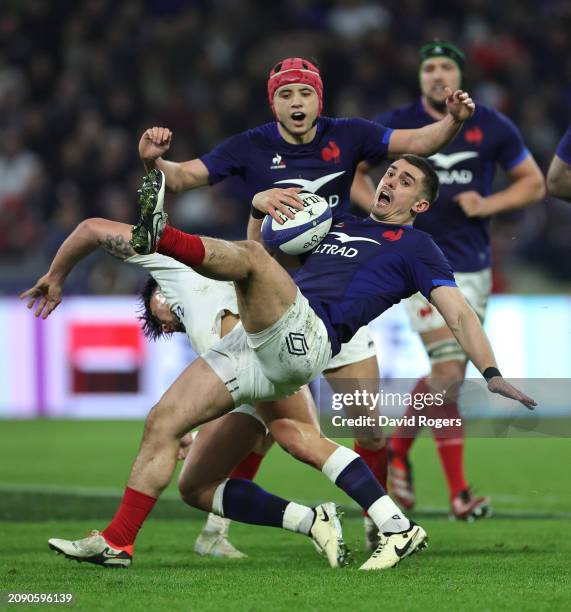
x: 216, y: 524
x: 337, y: 461
x: 388, y: 516
x: 217, y: 505
x: 298, y: 518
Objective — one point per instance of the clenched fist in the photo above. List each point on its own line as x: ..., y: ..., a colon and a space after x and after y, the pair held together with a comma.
x: 154, y: 142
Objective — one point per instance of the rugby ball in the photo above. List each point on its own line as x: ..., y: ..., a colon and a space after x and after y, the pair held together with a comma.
x: 302, y: 233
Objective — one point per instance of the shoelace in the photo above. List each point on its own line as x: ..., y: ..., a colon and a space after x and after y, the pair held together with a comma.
x: 379, y: 549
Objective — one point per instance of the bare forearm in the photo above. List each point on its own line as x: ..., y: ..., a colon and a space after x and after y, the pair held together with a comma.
x: 434, y: 137
x: 180, y: 176
x: 426, y: 140
x: 79, y: 244
x: 471, y: 336
x: 172, y: 172
x: 88, y: 236
x: 254, y: 231
x: 520, y: 194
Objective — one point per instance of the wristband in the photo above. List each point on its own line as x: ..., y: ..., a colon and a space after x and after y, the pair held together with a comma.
x: 256, y: 213
x: 490, y: 373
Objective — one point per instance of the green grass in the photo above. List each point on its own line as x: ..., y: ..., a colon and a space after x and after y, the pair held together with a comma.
x: 507, y: 562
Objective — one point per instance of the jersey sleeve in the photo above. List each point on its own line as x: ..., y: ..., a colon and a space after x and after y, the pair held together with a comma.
x: 511, y: 149
x: 563, y: 151
x: 430, y: 268
x: 374, y: 140
x: 229, y: 158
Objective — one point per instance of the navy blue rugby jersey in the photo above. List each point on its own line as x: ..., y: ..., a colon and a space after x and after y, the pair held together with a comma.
x: 326, y: 165
x: 468, y: 163
x: 564, y: 148
x: 363, y: 267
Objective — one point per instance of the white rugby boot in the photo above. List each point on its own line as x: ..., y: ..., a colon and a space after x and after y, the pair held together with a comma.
x: 327, y: 534
x: 213, y: 540
x: 94, y: 549
x: 146, y: 234
x: 396, y: 546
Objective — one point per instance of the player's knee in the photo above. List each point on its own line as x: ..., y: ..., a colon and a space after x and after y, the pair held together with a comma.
x: 159, y: 422
x: 254, y: 252
x: 295, y: 442
x: 189, y: 493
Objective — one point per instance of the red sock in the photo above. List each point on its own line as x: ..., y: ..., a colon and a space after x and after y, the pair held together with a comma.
x: 133, y: 511
x: 376, y: 460
x: 186, y: 248
x: 248, y: 467
x: 450, y: 445
x: 404, y: 436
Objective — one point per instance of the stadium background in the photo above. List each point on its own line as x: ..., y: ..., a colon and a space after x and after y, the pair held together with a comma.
x: 79, y: 82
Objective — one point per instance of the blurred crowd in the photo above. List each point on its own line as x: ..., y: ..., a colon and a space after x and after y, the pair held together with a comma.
x: 80, y: 81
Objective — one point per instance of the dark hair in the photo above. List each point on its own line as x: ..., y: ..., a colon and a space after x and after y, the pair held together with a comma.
x: 431, y: 182
x: 152, y: 327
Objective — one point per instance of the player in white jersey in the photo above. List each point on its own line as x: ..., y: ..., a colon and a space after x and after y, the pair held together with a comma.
x: 184, y: 301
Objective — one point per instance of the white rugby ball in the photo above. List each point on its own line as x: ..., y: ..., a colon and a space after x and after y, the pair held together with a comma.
x: 302, y: 233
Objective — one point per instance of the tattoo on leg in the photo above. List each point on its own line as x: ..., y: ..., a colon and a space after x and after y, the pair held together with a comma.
x: 118, y: 246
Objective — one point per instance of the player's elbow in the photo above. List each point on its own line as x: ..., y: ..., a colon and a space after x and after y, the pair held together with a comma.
x: 88, y: 226
x: 538, y: 187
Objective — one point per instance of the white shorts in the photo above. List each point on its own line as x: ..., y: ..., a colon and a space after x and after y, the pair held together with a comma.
x: 249, y: 410
x: 275, y: 362
x: 360, y: 347
x: 476, y: 288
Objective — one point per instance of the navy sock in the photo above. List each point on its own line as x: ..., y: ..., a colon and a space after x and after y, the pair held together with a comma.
x: 244, y: 501
x: 360, y: 484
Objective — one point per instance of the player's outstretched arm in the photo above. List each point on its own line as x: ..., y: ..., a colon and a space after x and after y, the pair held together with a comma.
x: 90, y: 234
x: 465, y: 325
x: 559, y: 179
x: 180, y: 176
x: 432, y: 138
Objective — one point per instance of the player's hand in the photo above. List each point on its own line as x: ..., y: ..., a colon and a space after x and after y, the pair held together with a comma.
x: 155, y: 141
x: 472, y: 203
x: 185, y: 444
x: 283, y: 200
x: 47, y: 293
x: 500, y: 385
x: 459, y: 104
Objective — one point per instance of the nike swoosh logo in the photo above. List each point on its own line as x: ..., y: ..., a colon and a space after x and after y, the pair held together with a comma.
x: 325, y: 518
x: 311, y: 186
x: 447, y: 161
x: 402, y: 551
x: 343, y: 238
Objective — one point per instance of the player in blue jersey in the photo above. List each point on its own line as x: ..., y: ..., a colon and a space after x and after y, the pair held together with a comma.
x: 306, y: 150
x: 559, y: 173
x: 459, y: 224
x: 288, y: 334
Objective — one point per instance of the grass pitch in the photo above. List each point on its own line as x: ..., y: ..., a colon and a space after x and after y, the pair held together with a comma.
x: 62, y: 478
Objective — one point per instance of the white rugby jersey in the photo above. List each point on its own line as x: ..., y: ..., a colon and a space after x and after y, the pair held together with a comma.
x: 198, y: 302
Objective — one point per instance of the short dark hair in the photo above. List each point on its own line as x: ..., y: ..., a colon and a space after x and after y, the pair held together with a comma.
x: 431, y: 181
x: 152, y: 327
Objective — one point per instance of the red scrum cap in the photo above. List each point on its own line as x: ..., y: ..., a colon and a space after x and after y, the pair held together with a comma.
x: 294, y: 70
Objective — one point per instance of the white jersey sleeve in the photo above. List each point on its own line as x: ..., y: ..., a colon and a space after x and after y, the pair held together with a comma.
x: 198, y: 302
